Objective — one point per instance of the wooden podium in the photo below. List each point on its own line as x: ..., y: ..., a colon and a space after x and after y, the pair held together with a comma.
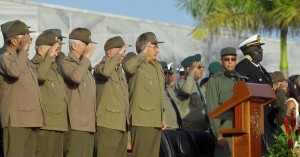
x: 246, y: 104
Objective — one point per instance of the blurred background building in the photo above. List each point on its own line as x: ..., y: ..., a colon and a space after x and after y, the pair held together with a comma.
x: 178, y: 40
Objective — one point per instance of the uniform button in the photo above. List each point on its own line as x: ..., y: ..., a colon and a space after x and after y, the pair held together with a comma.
x: 52, y: 85
x: 150, y: 82
x: 114, y: 110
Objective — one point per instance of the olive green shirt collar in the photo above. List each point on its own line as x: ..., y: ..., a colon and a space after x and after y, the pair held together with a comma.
x: 73, y: 56
x: 12, y: 52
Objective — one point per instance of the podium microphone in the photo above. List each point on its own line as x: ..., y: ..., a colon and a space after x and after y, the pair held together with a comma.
x: 233, y: 74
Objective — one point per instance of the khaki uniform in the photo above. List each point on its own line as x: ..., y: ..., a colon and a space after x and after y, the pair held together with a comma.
x: 219, y: 89
x: 190, y: 105
x: 20, y: 103
x: 54, y: 108
x: 112, y: 108
x: 146, y: 94
x: 81, y: 100
x: 169, y: 109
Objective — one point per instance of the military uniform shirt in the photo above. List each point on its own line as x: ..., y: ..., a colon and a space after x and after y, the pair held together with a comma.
x: 112, y: 94
x: 19, y: 91
x: 146, y: 91
x: 52, y: 89
x: 81, y: 93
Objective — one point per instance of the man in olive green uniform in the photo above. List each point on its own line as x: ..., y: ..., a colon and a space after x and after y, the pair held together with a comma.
x: 191, y: 103
x: 218, y: 91
x: 60, y: 56
x: 4, y: 28
x: 171, y: 110
x: 81, y: 94
x: 112, y: 101
x: 54, y: 106
x: 21, y: 111
x: 146, y: 95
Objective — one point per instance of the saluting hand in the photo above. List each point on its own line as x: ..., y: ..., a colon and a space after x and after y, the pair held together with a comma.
x: 25, y: 42
x: 123, y: 48
x: 89, y: 50
x: 53, y: 50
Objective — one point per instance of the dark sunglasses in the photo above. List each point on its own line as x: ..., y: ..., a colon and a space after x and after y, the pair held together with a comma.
x: 200, y: 67
x: 227, y: 59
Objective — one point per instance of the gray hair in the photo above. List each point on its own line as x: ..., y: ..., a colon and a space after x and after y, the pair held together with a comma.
x: 71, y: 41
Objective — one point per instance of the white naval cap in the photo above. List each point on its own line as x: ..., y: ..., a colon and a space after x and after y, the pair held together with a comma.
x: 170, y: 66
x: 254, y: 40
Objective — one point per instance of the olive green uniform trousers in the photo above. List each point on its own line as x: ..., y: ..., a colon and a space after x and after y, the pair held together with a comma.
x: 49, y: 143
x: 79, y: 144
x: 19, y: 142
x: 111, y: 142
x: 145, y: 141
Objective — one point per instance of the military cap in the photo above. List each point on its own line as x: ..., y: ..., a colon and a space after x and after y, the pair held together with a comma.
x: 163, y: 64
x: 252, y: 41
x: 188, y: 61
x: 170, y: 66
x: 214, y: 67
x: 128, y: 56
x: 82, y: 34
x: 48, y: 38
x: 6, y: 26
x: 115, y: 42
x: 180, y: 71
x: 57, y: 32
x: 228, y: 51
x: 297, y: 81
x: 18, y: 28
x: 145, y: 38
x: 277, y: 76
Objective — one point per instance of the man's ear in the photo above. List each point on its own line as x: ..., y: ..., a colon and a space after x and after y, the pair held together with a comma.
x: 74, y: 46
x: 14, y: 41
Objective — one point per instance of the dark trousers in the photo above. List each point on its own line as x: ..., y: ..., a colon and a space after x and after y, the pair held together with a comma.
x: 111, y: 143
x: 145, y: 141
x: 19, y: 142
x: 49, y: 143
x: 79, y: 144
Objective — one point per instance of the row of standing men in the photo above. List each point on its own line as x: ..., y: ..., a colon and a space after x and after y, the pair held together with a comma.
x: 47, y: 96
x: 51, y: 108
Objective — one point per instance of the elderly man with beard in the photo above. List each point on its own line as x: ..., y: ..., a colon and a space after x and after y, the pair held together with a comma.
x: 21, y: 111
x: 219, y: 89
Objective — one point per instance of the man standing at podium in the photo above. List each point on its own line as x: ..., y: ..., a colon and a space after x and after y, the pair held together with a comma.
x: 218, y: 91
x: 250, y: 66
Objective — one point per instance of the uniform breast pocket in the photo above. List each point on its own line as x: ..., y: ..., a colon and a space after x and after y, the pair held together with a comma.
x: 113, y: 114
x: 52, y: 84
x: 150, y: 81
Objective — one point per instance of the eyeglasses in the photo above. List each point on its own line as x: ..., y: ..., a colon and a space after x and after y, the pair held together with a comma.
x: 155, y: 46
x: 168, y: 72
x: 227, y: 59
x: 200, y: 67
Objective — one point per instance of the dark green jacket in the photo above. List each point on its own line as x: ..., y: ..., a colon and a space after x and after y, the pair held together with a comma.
x: 219, y: 89
x: 53, y: 95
